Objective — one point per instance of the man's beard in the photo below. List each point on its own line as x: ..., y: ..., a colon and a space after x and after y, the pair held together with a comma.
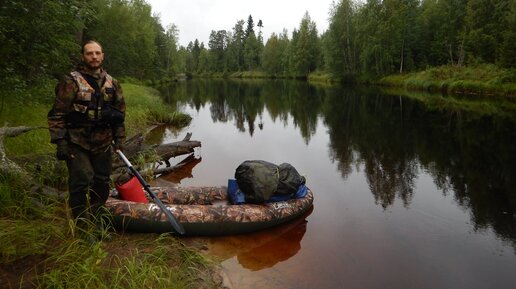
x: 95, y: 66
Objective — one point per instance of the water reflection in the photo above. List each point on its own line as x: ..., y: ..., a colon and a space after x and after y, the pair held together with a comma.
x: 469, y: 154
x: 262, y: 249
x: 243, y: 102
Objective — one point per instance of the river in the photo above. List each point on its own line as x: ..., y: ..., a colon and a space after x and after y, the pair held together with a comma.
x: 406, y: 195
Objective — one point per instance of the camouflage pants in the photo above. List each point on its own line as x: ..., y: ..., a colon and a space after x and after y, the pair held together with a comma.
x: 88, y: 178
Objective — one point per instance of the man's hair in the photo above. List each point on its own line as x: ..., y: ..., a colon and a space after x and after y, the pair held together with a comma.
x: 90, y: 42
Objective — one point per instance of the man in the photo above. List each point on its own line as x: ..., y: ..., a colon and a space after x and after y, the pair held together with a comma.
x: 86, y: 121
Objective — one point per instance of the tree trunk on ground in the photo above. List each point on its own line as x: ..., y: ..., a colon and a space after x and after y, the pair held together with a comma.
x: 7, y: 166
x: 164, y: 153
x: 135, y: 145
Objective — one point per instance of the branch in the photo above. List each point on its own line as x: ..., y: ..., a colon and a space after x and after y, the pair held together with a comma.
x: 181, y: 170
x: 9, y: 167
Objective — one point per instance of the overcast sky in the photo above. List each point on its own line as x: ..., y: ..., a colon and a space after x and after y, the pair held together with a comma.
x: 197, y: 18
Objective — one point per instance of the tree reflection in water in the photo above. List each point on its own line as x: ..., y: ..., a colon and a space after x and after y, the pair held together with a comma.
x: 469, y: 153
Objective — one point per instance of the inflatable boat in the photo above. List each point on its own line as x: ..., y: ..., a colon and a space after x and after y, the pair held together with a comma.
x: 205, y: 211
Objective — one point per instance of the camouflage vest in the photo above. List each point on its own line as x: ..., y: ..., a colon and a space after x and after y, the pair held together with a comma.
x: 85, y: 123
x: 85, y: 100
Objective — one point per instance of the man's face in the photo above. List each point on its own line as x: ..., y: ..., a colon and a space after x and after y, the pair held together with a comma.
x: 93, y: 55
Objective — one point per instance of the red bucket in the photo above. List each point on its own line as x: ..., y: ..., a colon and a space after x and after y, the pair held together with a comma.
x: 132, y: 191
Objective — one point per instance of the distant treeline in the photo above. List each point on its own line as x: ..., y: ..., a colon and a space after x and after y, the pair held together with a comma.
x: 372, y: 38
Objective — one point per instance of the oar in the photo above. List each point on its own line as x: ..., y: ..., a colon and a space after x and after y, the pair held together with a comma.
x: 175, y: 224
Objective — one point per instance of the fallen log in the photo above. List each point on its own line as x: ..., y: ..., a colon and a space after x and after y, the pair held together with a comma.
x: 8, y: 166
x: 181, y: 170
x: 163, y: 152
x: 190, y: 160
x: 170, y: 150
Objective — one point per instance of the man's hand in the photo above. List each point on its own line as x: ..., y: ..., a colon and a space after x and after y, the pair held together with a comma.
x: 118, y: 144
x: 63, y: 152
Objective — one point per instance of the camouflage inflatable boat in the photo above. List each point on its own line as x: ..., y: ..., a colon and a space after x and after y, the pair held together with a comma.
x: 204, y: 211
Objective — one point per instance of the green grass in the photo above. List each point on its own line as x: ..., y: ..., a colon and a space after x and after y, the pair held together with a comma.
x: 44, y: 245
x: 66, y: 261
x: 321, y: 77
x: 144, y: 108
x: 27, y: 108
x: 126, y: 263
x: 250, y: 74
x: 483, y: 80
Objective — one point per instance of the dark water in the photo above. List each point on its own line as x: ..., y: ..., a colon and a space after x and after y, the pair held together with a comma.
x: 405, y: 196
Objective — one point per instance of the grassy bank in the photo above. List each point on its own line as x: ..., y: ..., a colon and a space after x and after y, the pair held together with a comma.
x: 39, y: 245
x: 480, y: 80
x: 144, y: 108
x: 483, y: 80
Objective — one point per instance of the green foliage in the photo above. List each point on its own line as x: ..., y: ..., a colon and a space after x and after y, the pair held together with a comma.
x: 386, y: 37
x: 442, y: 32
x: 273, y: 53
x: 127, y: 32
x: 485, y: 23
x: 37, y: 38
x: 305, y: 48
x: 483, y: 79
x: 252, y: 51
x: 218, y: 45
x: 43, y: 38
x: 340, y: 42
x: 235, y: 53
x: 191, y: 56
x: 508, y: 46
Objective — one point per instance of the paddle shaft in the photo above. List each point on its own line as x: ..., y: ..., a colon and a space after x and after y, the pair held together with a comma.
x: 173, y: 221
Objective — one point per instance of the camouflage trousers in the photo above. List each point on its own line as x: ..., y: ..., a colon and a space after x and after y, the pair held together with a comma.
x: 88, y: 180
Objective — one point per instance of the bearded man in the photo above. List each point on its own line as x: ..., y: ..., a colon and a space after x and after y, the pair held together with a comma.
x: 86, y: 123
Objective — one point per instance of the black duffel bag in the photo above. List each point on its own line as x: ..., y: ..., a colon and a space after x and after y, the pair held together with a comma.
x: 259, y: 180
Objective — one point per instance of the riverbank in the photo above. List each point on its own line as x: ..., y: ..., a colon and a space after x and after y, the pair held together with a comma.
x: 480, y: 80
x: 483, y: 80
x: 39, y: 246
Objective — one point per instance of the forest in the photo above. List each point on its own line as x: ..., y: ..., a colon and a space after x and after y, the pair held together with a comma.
x: 373, y: 38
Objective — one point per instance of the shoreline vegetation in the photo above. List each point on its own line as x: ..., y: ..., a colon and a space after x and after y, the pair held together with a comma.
x: 481, y: 81
x: 478, y: 81
x: 39, y: 244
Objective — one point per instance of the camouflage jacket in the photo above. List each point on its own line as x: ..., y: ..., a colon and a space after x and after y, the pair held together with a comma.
x: 89, y: 110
